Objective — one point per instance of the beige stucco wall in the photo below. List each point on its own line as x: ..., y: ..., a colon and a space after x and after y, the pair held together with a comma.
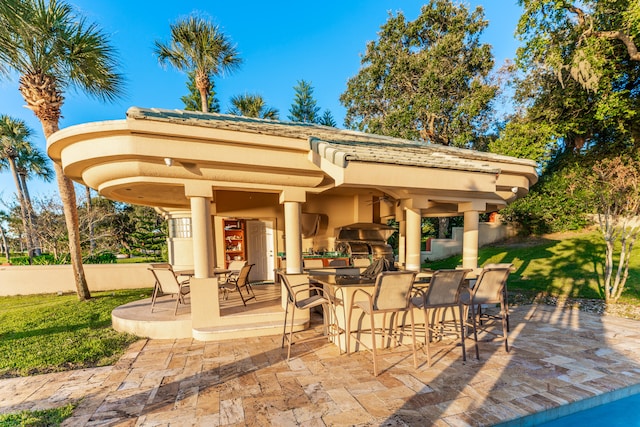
x: 488, y: 232
x: 45, y: 279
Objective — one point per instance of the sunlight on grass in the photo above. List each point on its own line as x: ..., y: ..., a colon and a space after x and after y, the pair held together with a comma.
x: 43, y: 418
x: 48, y: 333
x: 564, y: 267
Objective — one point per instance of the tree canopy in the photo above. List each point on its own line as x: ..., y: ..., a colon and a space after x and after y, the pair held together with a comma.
x: 200, y: 47
x: 425, y: 79
x: 304, y: 107
x: 249, y: 105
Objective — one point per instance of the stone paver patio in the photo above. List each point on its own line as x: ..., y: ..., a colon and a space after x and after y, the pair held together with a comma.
x: 558, y: 356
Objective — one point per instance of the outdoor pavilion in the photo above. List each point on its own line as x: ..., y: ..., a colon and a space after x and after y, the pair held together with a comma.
x: 206, y: 166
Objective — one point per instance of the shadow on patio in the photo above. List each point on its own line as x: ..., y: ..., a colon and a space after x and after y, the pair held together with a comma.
x: 558, y: 355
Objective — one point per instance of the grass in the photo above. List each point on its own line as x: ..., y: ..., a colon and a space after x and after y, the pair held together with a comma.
x: 42, y: 418
x: 563, y: 265
x: 51, y: 333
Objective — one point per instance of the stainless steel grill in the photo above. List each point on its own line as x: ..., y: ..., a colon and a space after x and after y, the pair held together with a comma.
x: 364, y: 240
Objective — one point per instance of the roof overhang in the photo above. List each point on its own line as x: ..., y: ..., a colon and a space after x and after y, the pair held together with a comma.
x: 158, y: 157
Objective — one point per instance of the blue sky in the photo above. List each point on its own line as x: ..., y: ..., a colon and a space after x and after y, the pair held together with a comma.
x: 280, y: 43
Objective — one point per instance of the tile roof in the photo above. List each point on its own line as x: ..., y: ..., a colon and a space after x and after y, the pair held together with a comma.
x: 342, y: 152
x: 353, y: 145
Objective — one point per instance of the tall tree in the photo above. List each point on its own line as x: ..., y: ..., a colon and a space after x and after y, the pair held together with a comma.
x: 53, y: 49
x: 32, y: 162
x: 304, y: 108
x: 425, y: 79
x: 581, y: 68
x: 327, y: 119
x: 193, y: 101
x: 199, y: 46
x: 14, y: 138
x: 3, y: 237
x: 252, y: 106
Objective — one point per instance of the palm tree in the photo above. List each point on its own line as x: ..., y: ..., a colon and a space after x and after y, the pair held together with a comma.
x: 201, y: 47
x: 14, y: 136
x: 53, y: 50
x: 3, y: 237
x: 32, y: 162
x: 252, y: 106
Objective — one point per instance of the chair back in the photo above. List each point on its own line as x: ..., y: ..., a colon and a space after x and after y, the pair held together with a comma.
x: 236, y: 266
x: 313, y: 263
x: 490, y: 285
x: 292, y: 280
x: 444, y: 288
x: 243, y: 276
x: 393, y: 290
x: 166, y: 278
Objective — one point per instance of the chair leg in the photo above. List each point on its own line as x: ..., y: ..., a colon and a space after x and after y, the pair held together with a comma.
x: 475, y: 329
x: 177, y: 303
x: 154, y: 296
x: 464, y: 350
x: 413, y: 338
x: 348, y: 331
x: 505, y: 324
x: 427, y: 334
x: 293, y: 314
x: 284, y: 328
x: 373, y: 346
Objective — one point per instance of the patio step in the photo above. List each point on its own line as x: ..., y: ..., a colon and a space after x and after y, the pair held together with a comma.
x: 255, y: 329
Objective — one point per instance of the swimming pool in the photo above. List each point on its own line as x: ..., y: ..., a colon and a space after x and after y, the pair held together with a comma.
x: 621, y: 412
x: 616, y: 408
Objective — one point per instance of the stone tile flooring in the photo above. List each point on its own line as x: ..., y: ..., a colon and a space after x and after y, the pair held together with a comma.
x: 557, y: 356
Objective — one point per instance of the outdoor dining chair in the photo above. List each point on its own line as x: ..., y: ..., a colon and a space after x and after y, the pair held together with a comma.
x: 506, y: 292
x: 488, y: 290
x: 168, y: 284
x: 301, y: 295
x: 443, y: 293
x: 234, y: 270
x: 391, y: 295
x: 239, y: 283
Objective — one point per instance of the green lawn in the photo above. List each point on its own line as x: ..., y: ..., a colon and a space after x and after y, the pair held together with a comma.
x: 43, y: 418
x: 48, y: 333
x: 568, y: 266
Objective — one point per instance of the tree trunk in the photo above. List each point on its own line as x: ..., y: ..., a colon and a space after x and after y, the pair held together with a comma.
x: 92, y: 241
x: 31, y: 215
x: 5, y: 245
x: 68, y: 197
x: 23, y: 208
x: 443, y: 227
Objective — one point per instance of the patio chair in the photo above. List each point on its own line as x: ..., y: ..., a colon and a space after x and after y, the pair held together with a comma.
x: 489, y: 289
x: 301, y: 295
x: 443, y: 292
x: 238, y: 284
x: 168, y: 284
x: 391, y: 294
x: 506, y: 292
x: 234, y: 270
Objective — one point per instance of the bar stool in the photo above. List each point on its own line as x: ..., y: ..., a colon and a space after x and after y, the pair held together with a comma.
x: 302, y: 300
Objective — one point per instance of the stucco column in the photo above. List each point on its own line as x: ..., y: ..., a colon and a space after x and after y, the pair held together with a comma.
x: 414, y: 233
x: 470, y: 239
x: 293, y: 237
x: 202, y: 236
x: 402, y: 242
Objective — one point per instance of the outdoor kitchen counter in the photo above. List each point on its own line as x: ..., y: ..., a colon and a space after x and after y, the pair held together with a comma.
x: 342, y: 289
